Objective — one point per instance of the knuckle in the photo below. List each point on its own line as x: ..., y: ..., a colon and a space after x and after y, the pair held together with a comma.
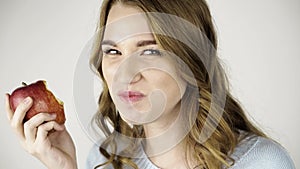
x: 33, y: 152
x: 46, y: 126
x: 21, y: 107
x: 42, y: 127
x: 39, y: 150
x: 28, y: 124
x: 53, y: 124
x: 30, y: 151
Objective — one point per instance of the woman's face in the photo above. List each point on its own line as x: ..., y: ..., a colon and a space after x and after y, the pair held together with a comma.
x: 142, y: 79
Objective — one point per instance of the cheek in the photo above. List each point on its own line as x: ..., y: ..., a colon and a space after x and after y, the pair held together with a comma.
x: 175, y: 89
x: 108, y: 74
x: 169, y: 83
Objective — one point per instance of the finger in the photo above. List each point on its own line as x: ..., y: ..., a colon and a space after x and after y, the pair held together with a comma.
x: 7, y: 107
x: 18, y: 116
x: 44, y: 129
x: 30, y: 127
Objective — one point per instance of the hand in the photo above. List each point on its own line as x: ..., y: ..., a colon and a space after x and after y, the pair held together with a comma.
x: 42, y: 137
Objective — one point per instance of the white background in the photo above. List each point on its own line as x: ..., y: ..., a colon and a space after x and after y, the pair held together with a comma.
x: 259, y: 44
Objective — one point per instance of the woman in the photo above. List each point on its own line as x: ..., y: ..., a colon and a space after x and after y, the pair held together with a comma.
x: 165, y: 101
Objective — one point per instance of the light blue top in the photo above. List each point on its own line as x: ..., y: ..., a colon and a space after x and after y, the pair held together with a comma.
x: 251, y: 153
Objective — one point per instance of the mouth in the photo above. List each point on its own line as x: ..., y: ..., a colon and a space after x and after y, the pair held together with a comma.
x: 131, y: 96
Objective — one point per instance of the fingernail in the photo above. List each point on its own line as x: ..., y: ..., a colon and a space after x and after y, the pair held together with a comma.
x: 27, y: 100
x: 53, y: 115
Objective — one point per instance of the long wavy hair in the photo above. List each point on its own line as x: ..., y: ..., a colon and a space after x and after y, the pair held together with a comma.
x: 215, y: 151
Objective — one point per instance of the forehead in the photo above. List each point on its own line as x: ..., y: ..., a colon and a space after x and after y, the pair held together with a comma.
x: 124, y: 22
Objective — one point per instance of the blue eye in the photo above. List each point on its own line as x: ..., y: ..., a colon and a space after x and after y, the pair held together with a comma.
x: 111, y: 52
x: 151, y: 52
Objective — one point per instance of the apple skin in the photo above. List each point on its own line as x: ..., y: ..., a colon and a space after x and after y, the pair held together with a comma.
x: 43, y: 101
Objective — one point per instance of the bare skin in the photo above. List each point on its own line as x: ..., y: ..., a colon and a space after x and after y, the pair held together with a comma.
x: 145, y: 81
x: 54, y: 149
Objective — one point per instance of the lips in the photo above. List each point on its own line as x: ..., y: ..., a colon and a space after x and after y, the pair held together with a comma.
x: 131, y: 96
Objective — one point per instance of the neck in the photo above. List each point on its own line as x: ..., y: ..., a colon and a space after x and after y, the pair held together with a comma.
x: 165, y: 144
x: 163, y: 123
x: 179, y: 157
x: 174, y: 158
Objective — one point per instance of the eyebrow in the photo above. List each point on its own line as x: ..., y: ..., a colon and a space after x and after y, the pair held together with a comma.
x: 108, y: 42
x: 139, y: 44
x: 146, y: 42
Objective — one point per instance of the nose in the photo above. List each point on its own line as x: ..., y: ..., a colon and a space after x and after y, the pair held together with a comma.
x: 129, y: 71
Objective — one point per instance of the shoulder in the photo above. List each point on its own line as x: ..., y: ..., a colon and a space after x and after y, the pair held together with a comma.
x: 260, y: 153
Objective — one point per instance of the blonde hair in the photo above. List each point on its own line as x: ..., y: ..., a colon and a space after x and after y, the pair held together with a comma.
x: 215, y: 151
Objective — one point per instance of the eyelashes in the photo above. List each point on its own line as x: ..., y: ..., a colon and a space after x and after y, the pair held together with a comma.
x: 111, y: 52
x: 146, y: 52
x: 152, y: 52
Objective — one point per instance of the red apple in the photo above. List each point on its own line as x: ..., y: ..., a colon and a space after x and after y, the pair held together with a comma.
x: 43, y: 101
